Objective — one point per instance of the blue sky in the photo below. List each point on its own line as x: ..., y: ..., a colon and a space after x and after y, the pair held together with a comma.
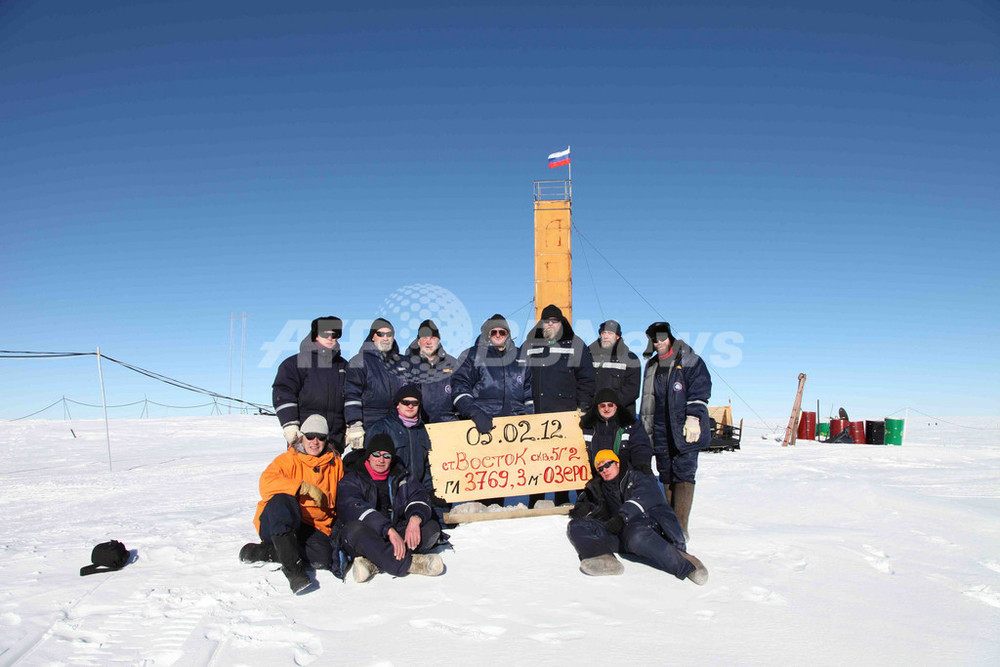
x: 817, y: 181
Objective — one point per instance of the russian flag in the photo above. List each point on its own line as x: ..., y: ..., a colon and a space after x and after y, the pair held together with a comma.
x: 559, y: 159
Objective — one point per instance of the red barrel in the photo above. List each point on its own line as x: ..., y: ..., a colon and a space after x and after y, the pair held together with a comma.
x: 858, y: 432
x: 807, y: 426
x: 838, y: 425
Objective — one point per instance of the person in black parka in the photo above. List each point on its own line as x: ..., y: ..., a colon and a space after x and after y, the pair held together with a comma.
x: 312, y: 382
x: 431, y: 368
x: 610, y: 425
x: 615, y: 365
x: 385, y: 515
x: 623, y: 510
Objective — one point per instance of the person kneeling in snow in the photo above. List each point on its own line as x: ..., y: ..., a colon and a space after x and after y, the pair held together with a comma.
x: 623, y: 510
x: 296, y: 513
x: 385, y: 515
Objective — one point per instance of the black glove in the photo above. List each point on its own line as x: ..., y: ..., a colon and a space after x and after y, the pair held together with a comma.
x: 581, y: 509
x: 643, y: 468
x: 439, y: 502
x: 615, y: 525
x: 484, y: 423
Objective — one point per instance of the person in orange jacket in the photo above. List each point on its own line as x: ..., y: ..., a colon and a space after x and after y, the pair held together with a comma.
x: 297, y: 509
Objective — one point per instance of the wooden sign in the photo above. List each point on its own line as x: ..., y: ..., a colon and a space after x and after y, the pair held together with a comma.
x: 521, y: 455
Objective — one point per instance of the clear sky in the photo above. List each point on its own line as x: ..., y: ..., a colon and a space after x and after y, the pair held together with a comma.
x: 801, y: 187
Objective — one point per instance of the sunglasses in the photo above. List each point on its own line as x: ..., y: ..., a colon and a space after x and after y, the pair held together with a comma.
x: 409, y: 402
x: 552, y: 320
x: 381, y: 455
x: 329, y: 334
x: 604, y: 466
x: 384, y: 334
x: 314, y: 436
x: 607, y: 406
x: 498, y: 332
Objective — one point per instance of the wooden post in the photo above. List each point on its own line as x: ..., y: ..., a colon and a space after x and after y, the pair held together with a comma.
x: 793, y: 421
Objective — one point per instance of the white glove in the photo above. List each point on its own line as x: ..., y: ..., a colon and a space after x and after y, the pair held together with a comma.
x: 355, y: 436
x: 692, y: 428
x: 291, y: 433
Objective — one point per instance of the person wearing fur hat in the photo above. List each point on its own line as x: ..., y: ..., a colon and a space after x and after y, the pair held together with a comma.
x: 431, y: 368
x: 674, y: 412
x: 621, y: 510
x: 387, y: 523
x: 374, y: 375
x: 312, y: 382
x: 493, y: 379
x: 613, y: 426
x: 296, y: 514
x: 616, y: 366
x: 562, y: 371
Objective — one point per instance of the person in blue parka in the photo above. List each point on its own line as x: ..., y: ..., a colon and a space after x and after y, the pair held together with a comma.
x: 374, y: 375
x: 312, y: 382
x: 406, y: 428
x: 623, y: 511
x: 610, y: 425
x: 431, y: 368
x: 384, y: 515
x: 674, y: 412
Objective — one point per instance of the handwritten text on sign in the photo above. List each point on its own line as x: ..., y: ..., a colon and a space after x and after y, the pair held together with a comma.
x: 521, y: 455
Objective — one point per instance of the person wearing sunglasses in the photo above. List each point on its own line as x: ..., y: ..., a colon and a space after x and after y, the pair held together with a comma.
x: 610, y: 425
x: 615, y: 365
x: 493, y: 379
x: 431, y: 368
x: 406, y: 428
x: 312, y: 382
x: 622, y: 510
x: 674, y: 412
x: 374, y: 375
x: 296, y: 513
x: 562, y: 372
x: 385, y: 519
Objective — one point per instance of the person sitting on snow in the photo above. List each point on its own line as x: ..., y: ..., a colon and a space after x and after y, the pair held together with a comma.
x: 385, y: 513
x: 297, y: 509
x: 623, y: 510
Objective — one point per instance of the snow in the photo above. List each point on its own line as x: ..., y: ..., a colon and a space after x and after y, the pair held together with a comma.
x: 823, y: 553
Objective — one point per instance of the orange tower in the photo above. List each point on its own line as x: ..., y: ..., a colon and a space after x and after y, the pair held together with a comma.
x: 553, y: 254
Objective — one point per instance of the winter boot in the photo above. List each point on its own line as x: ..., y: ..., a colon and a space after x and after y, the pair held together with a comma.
x: 683, y: 497
x: 668, y: 491
x: 428, y: 564
x: 258, y: 553
x: 364, y: 570
x: 700, y: 574
x: 600, y: 566
x: 287, y: 549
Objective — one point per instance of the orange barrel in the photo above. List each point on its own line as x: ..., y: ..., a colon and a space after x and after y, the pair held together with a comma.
x: 807, y: 426
x: 858, y: 432
x: 837, y: 425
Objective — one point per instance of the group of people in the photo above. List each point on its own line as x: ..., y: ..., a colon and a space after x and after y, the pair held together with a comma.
x: 376, y: 506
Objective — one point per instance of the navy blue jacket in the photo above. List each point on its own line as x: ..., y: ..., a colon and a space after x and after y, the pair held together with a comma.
x: 643, y: 504
x: 680, y: 389
x: 412, y: 445
x: 373, y: 379
x: 312, y: 383
x: 562, y: 373
x: 634, y: 446
x: 434, y: 381
x: 497, y: 383
x: 357, y: 496
x: 618, y: 369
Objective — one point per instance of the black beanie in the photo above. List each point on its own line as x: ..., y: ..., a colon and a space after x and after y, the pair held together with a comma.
x: 380, y: 442
x: 328, y: 323
x: 428, y: 328
x: 551, y: 310
x: 651, y: 331
x: 380, y: 323
x: 495, y: 322
x: 606, y: 395
x: 407, y: 391
x: 611, y: 326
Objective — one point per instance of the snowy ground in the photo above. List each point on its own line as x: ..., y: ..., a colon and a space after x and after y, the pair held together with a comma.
x: 826, y: 554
